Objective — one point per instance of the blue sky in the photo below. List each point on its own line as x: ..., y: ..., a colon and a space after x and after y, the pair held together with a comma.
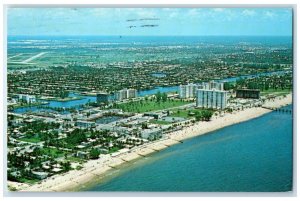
x: 172, y: 21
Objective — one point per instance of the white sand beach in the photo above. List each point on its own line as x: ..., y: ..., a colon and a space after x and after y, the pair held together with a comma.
x: 97, y: 168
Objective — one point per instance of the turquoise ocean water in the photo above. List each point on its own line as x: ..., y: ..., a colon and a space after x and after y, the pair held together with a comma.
x: 253, y: 156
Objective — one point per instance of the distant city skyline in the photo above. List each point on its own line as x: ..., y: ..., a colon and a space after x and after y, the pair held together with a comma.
x: 150, y: 21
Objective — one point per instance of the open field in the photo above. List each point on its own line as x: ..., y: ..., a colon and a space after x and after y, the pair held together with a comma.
x: 154, y: 121
x: 276, y: 92
x: 185, y: 113
x: 31, y: 140
x: 148, y: 106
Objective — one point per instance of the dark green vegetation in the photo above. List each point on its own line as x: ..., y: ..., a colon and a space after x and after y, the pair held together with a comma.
x: 45, y: 150
x: 276, y: 92
x: 154, y: 121
x: 265, y: 83
x: 198, y: 114
x: 272, y: 84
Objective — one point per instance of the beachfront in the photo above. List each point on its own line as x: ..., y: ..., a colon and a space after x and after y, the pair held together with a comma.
x: 97, y: 168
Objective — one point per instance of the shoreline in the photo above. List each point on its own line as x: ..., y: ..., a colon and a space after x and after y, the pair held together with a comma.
x: 95, y: 169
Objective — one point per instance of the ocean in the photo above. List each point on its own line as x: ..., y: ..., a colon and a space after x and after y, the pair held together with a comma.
x: 252, y: 156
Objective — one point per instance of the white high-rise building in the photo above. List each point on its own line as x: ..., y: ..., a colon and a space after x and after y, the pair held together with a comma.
x: 131, y: 93
x: 216, y: 99
x: 126, y: 94
x: 212, y: 85
x: 188, y: 91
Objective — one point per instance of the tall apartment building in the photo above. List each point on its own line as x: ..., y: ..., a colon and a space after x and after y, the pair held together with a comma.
x: 126, y: 94
x: 215, y: 99
x: 212, y: 85
x: 188, y: 91
x: 131, y: 93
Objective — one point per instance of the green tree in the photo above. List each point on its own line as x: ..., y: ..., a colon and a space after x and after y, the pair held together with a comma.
x: 164, y: 97
x: 158, y: 96
x: 67, y: 165
x: 144, y: 126
x: 94, y: 153
x: 207, y: 114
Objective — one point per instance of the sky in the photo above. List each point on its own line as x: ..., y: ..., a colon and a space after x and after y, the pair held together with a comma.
x: 170, y: 21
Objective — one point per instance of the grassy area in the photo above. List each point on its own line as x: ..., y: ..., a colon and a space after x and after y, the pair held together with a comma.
x: 114, y: 149
x: 184, y: 113
x: 53, y: 152
x: 31, y: 140
x: 75, y: 159
x: 28, y: 180
x: 148, y: 106
x: 154, y: 121
x: 277, y: 92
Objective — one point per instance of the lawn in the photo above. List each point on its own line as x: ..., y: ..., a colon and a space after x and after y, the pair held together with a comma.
x: 53, y: 152
x: 31, y: 140
x: 277, y: 92
x: 114, y: 149
x: 148, y: 106
x: 154, y: 121
x: 184, y: 113
x: 28, y: 180
x: 75, y: 159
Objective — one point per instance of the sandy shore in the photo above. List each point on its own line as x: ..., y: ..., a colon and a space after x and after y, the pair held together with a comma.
x: 97, y: 168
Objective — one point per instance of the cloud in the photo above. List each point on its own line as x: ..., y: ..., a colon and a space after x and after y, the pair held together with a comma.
x: 99, y: 11
x: 269, y: 14
x: 173, y: 14
x: 248, y: 12
x: 218, y: 9
x: 193, y: 12
x: 146, y: 13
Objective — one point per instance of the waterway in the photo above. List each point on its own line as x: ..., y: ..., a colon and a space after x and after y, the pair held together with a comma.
x: 164, y: 89
x: 253, y: 156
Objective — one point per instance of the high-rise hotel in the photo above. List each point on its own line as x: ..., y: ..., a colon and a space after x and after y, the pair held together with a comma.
x: 215, y: 99
x: 211, y: 95
x: 188, y: 91
x: 126, y: 94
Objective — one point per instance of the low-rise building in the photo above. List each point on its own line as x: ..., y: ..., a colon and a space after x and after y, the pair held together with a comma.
x: 82, y: 154
x: 103, y: 98
x: 156, y: 115
x: 27, y: 98
x: 39, y: 175
x: 151, y: 134
x: 85, y: 124
x: 248, y: 93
